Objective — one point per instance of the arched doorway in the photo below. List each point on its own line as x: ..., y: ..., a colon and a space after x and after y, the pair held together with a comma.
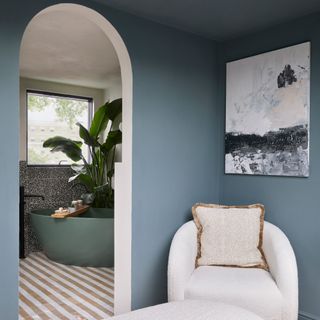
x: 123, y: 170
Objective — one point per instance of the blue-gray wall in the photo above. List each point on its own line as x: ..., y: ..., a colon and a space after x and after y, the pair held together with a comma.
x: 174, y: 129
x: 178, y: 126
x: 174, y: 123
x: 291, y: 203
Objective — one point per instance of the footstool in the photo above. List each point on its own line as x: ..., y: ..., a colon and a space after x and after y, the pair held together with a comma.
x: 190, y: 310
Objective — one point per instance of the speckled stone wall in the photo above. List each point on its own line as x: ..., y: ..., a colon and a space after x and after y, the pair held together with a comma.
x: 50, y: 182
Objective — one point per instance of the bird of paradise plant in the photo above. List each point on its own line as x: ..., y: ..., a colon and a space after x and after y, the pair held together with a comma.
x: 101, y: 138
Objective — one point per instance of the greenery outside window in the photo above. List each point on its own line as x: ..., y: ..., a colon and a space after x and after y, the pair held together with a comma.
x: 51, y: 114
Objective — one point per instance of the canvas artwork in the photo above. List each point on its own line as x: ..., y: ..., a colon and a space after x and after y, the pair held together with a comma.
x: 267, y: 113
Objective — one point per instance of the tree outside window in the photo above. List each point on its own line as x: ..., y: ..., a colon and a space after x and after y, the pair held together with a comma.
x: 53, y: 114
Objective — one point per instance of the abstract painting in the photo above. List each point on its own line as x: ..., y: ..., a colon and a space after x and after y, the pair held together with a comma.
x: 267, y: 113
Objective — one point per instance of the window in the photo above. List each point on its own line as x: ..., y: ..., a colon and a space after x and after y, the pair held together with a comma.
x: 49, y: 115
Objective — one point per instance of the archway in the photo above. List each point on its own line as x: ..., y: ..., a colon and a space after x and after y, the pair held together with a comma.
x: 123, y: 170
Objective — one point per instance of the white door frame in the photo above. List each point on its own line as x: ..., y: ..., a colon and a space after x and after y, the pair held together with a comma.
x: 123, y: 170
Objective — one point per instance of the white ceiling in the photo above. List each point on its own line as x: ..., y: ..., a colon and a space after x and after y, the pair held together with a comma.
x: 66, y: 48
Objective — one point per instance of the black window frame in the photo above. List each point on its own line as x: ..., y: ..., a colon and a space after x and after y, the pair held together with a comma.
x: 59, y: 95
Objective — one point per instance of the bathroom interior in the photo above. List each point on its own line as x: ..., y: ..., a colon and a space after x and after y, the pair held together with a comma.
x: 68, y: 70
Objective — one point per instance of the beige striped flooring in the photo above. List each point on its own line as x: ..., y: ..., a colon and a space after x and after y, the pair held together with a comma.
x: 48, y: 290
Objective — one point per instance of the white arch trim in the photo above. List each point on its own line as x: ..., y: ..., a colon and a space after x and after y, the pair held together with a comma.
x: 123, y: 170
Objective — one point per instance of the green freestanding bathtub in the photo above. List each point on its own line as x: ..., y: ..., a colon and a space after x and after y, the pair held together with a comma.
x: 86, y: 240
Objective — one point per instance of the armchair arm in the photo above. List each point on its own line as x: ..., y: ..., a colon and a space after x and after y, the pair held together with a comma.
x: 182, y: 257
x: 283, y: 268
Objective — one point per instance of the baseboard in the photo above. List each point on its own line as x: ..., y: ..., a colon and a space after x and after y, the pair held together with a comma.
x: 307, y: 316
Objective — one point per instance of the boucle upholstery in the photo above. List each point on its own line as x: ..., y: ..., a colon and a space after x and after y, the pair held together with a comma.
x: 279, y: 255
x: 251, y: 289
x: 229, y: 235
x: 190, y: 310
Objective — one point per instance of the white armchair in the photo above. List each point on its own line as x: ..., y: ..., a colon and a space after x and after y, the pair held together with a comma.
x: 272, y: 295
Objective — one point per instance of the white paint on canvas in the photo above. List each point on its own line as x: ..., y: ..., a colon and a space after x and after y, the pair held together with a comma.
x: 255, y: 104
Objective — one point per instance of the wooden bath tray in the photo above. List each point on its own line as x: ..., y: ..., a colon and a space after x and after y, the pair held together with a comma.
x: 62, y: 215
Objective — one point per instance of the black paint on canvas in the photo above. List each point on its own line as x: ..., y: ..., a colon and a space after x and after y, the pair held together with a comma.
x: 286, y: 77
x: 287, y: 139
x: 282, y: 152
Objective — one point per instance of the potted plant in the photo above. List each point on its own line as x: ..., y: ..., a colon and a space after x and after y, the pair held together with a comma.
x: 101, y: 138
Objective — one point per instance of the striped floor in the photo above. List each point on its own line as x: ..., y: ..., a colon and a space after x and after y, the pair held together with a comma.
x: 48, y: 290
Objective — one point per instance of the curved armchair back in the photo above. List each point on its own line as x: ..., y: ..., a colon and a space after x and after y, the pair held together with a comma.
x: 182, y: 258
x: 279, y: 255
x: 283, y: 267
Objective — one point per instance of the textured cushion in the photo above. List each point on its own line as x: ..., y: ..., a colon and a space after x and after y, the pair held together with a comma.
x: 251, y: 289
x: 229, y: 235
x: 190, y: 310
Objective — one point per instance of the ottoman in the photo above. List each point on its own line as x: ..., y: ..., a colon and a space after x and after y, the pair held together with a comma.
x: 190, y: 310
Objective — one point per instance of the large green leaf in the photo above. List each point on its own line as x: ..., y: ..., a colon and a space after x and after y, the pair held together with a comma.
x: 109, y: 111
x: 71, y: 148
x: 114, y: 138
x: 113, y: 109
x: 99, y: 122
x: 84, y: 179
x: 57, y: 140
x: 87, y: 181
x: 86, y: 136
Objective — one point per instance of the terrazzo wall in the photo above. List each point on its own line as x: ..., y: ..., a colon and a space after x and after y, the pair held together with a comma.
x: 50, y: 182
